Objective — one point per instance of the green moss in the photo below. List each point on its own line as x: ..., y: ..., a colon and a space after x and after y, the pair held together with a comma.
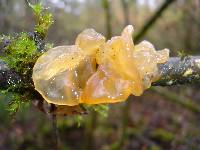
x: 15, y: 104
x: 20, y: 52
x: 44, y: 19
x: 20, y: 55
x: 44, y: 23
x: 37, y: 8
x: 15, y: 101
x: 22, y: 49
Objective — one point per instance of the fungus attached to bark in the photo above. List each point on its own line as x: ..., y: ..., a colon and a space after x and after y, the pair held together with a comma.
x: 94, y: 71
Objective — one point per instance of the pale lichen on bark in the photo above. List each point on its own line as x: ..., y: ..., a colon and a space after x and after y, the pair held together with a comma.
x: 179, y: 71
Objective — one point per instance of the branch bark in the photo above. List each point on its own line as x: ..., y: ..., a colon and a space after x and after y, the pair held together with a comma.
x: 179, y: 71
x: 176, y: 71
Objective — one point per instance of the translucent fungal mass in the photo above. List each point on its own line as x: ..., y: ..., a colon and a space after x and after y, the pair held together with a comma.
x: 95, y: 71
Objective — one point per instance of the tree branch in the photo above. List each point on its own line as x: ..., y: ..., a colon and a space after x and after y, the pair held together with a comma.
x: 176, y: 71
x: 179, y: 71
x: 153, y: 19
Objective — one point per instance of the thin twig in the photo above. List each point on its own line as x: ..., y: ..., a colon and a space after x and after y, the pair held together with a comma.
x: 55, y: 135
x: 107, y: 11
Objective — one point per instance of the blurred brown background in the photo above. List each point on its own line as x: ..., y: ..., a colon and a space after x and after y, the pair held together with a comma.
x: 161, y: 119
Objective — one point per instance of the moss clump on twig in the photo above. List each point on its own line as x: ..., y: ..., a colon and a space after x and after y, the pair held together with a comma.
x: 20, y: 53
x: 44, y: 19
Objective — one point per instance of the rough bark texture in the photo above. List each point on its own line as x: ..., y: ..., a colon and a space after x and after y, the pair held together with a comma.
x: 179, y: 71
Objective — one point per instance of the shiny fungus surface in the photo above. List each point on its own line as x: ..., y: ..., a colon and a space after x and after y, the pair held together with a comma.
x: 95, y: 71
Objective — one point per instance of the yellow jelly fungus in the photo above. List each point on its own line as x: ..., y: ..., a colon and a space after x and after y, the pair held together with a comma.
x: 106, y: 86
x: 94, y: 71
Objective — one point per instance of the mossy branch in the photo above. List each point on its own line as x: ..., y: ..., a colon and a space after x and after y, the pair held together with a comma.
x: 18, y: 54
x: 176, y: 71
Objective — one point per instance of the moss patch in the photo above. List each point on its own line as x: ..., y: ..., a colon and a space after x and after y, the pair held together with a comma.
x: 20, y: 52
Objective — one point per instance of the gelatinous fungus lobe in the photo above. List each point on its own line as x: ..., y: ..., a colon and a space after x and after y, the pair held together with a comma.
x: 146, y: 59
x: 60, y: 74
